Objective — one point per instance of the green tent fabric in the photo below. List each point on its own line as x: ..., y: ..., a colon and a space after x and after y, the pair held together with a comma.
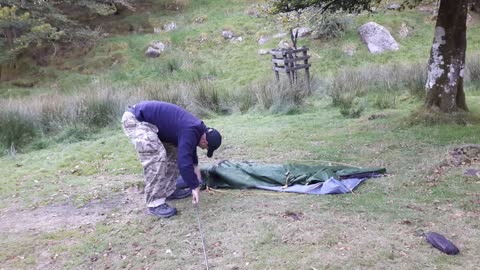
x: 228, y: 174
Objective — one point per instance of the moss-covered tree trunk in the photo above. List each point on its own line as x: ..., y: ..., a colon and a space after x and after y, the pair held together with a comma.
x: 446, y: 66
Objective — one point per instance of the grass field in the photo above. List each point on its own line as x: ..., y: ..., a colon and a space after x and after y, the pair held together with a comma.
x: 79, y: 206
x: 74, y: 200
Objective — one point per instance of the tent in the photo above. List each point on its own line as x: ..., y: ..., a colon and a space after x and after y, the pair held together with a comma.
x: 298, y: 178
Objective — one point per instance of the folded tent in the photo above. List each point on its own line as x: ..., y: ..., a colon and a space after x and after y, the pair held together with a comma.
x: 299, y: 178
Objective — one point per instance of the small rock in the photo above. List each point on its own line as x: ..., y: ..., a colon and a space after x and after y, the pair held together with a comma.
x: 303, y: 31
x: 170, y: 26
x: 280, y: 35
x: 263, y: 39
x: 403, y: 32
x: 227, y: 34
x: 393, y: 7
x: 158, y: 45
x: 155, y: 49
x: 283, y: 44
x: 201, y: 19
x: 236, y: 39
x: 472, y: 172
x: 263, y: 51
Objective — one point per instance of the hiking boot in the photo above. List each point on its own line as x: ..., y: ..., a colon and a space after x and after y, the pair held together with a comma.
x: 179, y: 194
x: 162, y: 211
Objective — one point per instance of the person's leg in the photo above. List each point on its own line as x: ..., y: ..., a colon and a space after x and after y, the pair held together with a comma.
x: 153, y: 156
x: 171, y: 170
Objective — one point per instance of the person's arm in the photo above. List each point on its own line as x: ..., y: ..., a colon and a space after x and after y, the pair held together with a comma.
x: 187, y: 146
x: 196, y: 191
x: 196, y: 169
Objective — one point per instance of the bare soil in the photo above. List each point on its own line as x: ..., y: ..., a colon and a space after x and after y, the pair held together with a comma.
x: 68, y: 216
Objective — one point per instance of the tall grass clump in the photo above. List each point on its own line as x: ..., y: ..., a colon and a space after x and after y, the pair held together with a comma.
x: 164, y: 92
x: 97, y: 112
x: 67, y: 118
x: 206, y: 96
x: 200, y: 97
x: 414, y: 77
x: 278, y: 97
x: 375, y: 85
x: 473, y: 70
x: 17, y: 128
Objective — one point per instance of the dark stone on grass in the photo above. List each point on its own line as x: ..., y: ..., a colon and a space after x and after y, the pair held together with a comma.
x: 376, y: 116
x: 23, y: 84
x: 441, y: 243
x: 472, y: 172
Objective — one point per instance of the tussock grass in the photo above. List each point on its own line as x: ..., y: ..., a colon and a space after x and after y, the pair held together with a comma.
x: 17, y: 129
x: 381, y: 85
x: 75, y: 117
x: 473, y: 71
x: 429, y: 117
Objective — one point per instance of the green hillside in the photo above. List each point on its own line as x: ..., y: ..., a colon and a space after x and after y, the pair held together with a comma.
x: 71, y: 188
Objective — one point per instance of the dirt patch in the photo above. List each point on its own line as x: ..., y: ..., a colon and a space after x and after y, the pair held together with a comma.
x: 67, y: 216
x: 463, y: 155
x: 466, y: 154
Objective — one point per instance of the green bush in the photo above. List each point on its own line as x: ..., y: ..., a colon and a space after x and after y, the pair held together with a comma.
x: 353, y: 109
x: 384, y: 100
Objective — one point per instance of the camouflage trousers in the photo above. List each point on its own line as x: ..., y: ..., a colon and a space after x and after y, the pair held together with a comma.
x: 159, y: 160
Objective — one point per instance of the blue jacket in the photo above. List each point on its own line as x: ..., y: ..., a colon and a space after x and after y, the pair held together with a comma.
x: 178, y: 127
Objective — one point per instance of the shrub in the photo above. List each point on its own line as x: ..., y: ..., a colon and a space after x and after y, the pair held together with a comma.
x: 353, y: 109
x: 332, y: 26
x: 173, y: 64
x: 384, y: 100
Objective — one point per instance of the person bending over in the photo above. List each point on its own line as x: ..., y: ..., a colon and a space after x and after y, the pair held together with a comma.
x: 166, y: 137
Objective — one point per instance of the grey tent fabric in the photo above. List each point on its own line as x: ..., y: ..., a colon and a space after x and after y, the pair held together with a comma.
x: 298, y: 178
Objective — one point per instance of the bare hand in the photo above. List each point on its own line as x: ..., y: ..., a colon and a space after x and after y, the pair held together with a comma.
x: 196, y: 195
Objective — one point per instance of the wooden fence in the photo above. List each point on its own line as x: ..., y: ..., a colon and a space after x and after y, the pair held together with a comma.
x: 290, y: 61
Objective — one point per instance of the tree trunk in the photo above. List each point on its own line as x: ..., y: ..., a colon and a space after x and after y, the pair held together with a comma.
x: 446, y: 66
